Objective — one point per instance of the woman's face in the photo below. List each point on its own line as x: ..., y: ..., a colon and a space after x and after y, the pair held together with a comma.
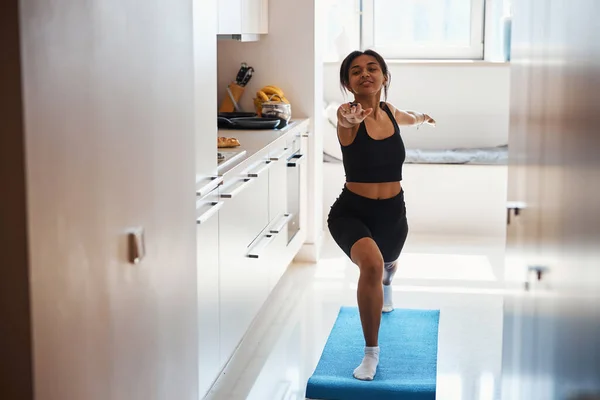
x: 365, y: 76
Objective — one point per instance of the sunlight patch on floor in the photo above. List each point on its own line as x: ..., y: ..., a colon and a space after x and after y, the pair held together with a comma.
x: 331, y: 268
x: 463, y: 267
x: 456, y: 267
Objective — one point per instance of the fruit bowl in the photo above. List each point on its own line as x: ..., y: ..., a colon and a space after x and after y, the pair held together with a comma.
x: 270, y: 102
x: 277, y: 109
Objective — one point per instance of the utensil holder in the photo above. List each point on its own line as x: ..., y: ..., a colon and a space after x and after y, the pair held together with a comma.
x: 231, y: 101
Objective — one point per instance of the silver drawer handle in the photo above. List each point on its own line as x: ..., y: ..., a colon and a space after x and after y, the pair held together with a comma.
x: 216, y: 206
x: 257, y: 174
x: 284, y: 154
x: 210, y: 186
x: 237, y: 190
x: 257, y: 250
x: 282, y: 223
x: 298, y: 159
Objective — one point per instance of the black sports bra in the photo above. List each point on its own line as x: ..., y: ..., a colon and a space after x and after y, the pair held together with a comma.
x: 374, y: 161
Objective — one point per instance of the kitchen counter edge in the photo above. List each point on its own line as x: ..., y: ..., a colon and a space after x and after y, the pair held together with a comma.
x: 258, y: 144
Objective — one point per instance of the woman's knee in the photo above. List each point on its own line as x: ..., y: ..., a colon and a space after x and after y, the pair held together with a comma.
x: 367, y: 256
x: 372, y: 268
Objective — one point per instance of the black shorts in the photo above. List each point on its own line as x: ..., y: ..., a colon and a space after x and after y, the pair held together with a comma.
x: 353, y: 217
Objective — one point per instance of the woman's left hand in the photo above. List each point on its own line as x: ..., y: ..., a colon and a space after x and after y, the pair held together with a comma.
x: 428, y: 120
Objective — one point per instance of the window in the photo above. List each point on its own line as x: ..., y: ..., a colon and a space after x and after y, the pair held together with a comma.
x: 342, y: 27
x: 408, y: 29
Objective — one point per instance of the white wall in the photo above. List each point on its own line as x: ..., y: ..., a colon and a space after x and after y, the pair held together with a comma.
x: 468, y: 100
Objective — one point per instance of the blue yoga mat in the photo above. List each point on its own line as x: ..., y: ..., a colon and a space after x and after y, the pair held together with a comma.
x: 407, y: 363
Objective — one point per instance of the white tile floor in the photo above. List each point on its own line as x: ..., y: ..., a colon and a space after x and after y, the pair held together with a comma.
x: 461, y: 277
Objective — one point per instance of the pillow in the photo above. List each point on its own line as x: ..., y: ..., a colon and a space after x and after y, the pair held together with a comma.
x: 331, y: 145
x: 331, y: 112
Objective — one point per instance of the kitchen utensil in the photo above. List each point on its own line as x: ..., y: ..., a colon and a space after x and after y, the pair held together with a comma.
x: 248, y: 123
x: 247, y: 76
x: 225, y: 123
x: 240, y: 75
x: 236, y: 106
x: 244, y: 75
x: 235, y: 90
x: 257, y: 123
x: 233, y: 94
x: 237, y: 114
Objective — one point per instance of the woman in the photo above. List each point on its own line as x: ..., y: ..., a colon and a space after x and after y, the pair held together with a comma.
x: 368, y: 220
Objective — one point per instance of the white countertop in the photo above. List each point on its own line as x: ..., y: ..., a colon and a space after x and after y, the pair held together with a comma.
x: 255, y: 141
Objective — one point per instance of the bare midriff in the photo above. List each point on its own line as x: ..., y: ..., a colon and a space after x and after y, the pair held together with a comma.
x: 377, y: 191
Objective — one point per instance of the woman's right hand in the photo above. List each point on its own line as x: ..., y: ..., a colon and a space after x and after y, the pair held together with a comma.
x: 353, y: 113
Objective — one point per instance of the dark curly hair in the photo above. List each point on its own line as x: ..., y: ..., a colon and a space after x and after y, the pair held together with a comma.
x: 345, y: 69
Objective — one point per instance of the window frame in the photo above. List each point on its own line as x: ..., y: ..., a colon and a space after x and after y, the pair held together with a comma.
x: 474, y: 51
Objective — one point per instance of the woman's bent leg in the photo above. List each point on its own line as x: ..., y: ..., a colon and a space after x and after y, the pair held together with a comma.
x: 367, y: 256
x: 391, y: 240
x: 389, y: 269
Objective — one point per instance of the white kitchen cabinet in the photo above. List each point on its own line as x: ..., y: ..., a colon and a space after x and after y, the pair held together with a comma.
x: 207, y: 203
x: 243, y: 281
x: 205, y: 93
x: 304, y: 184
x: 278, y: 213
x: 105, y: 154
x: 278, y: 181
x: 242, y: 17
x: 255, y: 15
x: 255, y: 245
x: 207, y: 245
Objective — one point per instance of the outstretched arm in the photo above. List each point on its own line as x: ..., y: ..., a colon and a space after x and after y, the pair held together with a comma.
x: 350, y: 116
x: 411, y: 118
x: 420, y: 118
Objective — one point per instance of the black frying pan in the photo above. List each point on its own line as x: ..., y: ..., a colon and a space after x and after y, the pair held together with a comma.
x: 247, y: 123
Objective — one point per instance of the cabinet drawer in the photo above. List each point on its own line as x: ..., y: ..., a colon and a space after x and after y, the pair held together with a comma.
x: 278, y: 184
x: 243, y: 286
x: 207, y: 247
x: 208, y: 206
x: 242, y: 280
x: 247, y: 201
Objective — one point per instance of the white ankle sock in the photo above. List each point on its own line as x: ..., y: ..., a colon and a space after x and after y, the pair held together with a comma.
x: 366, y: 370
x: 388, y: 304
